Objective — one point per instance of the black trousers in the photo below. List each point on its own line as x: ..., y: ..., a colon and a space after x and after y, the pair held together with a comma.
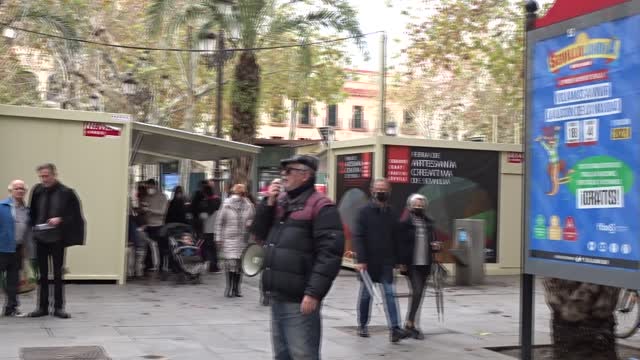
x: 211, y: 252
x: 166, y: 261
x: 9, y: 264
x: 418, y: 275
x: 55, y: 251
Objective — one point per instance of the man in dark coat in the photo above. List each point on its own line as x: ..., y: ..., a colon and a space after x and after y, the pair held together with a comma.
x: 303, y: 253
x: 56, y: 216
x: 376, y: 250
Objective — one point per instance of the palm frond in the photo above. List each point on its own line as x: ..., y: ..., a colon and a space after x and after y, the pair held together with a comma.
x: 63, y: 25
x: 157, y: 12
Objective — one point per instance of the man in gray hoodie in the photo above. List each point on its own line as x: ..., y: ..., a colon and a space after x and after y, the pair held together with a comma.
x: 155, y: 209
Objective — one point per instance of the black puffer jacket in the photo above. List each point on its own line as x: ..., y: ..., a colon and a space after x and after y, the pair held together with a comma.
x: 304, y: 245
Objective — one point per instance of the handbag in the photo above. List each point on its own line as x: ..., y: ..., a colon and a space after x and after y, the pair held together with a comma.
x: 46, y: 234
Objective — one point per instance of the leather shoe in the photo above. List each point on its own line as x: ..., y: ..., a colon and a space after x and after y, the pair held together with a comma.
x: 38, y: 313
x: 414, y: 333
x: 398, y: 334
x: 13, y: 313
x: 61, y: 314
x: 363, y: 332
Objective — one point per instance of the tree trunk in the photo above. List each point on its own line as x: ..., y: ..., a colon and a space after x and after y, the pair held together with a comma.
x: 244, y: 106
x: 582, y: 321
x: 294, y: 119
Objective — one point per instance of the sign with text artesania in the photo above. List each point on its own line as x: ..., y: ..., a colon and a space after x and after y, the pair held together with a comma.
x: 584, y: 151
x: 459, y: 184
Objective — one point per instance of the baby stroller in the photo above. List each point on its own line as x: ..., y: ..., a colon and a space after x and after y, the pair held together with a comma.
x: 186, y: 252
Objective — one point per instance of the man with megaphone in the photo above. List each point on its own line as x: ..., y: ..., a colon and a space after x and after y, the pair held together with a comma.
x: 304, y: 243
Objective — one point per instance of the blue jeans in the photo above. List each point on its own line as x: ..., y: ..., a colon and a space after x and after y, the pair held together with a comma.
x: 295, y: 336
x: 364, y: 303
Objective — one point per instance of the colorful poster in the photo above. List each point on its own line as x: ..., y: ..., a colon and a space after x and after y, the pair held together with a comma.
x: 459, y: 184
x: 583, y: 150
x: 354, y: 175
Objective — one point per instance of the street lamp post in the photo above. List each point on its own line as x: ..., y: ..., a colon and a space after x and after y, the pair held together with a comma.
x: 328, y: 136
x: 391, y: 128
x: 129, y: 85
x: 213, y: 50
x: 9, y: 33
x: 95, y: 101
x: 209, y: 42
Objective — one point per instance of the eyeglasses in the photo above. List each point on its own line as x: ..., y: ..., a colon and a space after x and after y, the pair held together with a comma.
x: 289, y: 170
x: 19, y: 188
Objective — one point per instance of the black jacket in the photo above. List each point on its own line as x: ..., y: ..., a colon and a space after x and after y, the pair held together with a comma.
x: 177, y: 212
x: 375, y: 238
x: 407, y: 240
x: 304, y: 245
x: 73, y: 222
x: 203, y: 203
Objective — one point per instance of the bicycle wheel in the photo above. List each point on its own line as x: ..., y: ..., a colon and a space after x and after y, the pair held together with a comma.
x: 627, y: 314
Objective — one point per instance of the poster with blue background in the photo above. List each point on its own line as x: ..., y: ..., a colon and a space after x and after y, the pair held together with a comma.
x: 583, y: 147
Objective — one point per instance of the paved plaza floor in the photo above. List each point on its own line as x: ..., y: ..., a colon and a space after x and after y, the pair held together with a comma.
x: 160, y: 320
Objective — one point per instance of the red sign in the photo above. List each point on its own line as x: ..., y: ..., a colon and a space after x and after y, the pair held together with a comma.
x: 570, y: 232
x: 515, y: 158
x: 566, y: 9
x: 366, y: 165
x: 101, y: 130
x: 398, y: 158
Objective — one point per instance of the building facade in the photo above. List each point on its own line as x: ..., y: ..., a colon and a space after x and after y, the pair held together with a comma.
x: 357, y: 116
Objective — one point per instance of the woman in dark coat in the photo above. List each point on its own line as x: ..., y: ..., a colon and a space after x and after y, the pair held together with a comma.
x: 177, y: 212
x: 417, y: 245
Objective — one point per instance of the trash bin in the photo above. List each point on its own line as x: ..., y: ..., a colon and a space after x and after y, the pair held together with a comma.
x: 468, y: 251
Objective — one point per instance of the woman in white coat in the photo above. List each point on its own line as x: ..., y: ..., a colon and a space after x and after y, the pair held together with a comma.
x: 231, y: 229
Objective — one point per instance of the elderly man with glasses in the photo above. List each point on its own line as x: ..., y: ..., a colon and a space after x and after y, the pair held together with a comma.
x: 14, y: 218
x: 304, y: 243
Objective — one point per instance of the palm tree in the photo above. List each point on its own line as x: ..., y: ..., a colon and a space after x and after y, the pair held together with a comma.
x: 251, y: 23
x: 583, y: 320
x: 55, y: 17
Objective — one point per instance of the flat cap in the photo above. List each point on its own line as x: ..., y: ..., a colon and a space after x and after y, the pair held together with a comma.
x: 308, y: 160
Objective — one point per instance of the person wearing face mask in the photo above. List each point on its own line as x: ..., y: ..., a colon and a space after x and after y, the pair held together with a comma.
x: 374, y: 241
x: 155, y: 210
x: 231, y: 228
x: 417, y: 245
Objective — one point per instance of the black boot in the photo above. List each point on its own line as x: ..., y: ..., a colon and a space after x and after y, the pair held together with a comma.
x: 236, y: 284
x: 228, y: 292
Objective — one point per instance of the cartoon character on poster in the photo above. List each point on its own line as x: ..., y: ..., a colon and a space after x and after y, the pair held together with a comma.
x: 557, y: 168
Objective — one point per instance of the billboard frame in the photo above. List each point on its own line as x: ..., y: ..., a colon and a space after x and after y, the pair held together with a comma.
x: 551, y: 268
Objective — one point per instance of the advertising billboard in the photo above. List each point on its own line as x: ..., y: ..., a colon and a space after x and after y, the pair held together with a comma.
x: 583, y: 153
x: 459, y: 184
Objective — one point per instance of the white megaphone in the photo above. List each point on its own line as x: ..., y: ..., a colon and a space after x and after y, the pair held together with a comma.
x: 252, y: 260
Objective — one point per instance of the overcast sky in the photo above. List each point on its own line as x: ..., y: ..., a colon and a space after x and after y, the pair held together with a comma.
x: 377, y: 15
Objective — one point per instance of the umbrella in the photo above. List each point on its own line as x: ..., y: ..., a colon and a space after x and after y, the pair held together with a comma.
x: 439, y: 275
x: 368, y: 283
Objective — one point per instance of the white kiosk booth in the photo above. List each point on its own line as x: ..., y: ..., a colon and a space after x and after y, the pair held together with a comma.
x: 461, y: 180
x: 93, y: 152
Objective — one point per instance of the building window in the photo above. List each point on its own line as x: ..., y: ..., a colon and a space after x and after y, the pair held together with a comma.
x: 278, y: 111
x: 408, y: 117
x: 332, y: 115
x: 305, y: 115
x: 358, y: 117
